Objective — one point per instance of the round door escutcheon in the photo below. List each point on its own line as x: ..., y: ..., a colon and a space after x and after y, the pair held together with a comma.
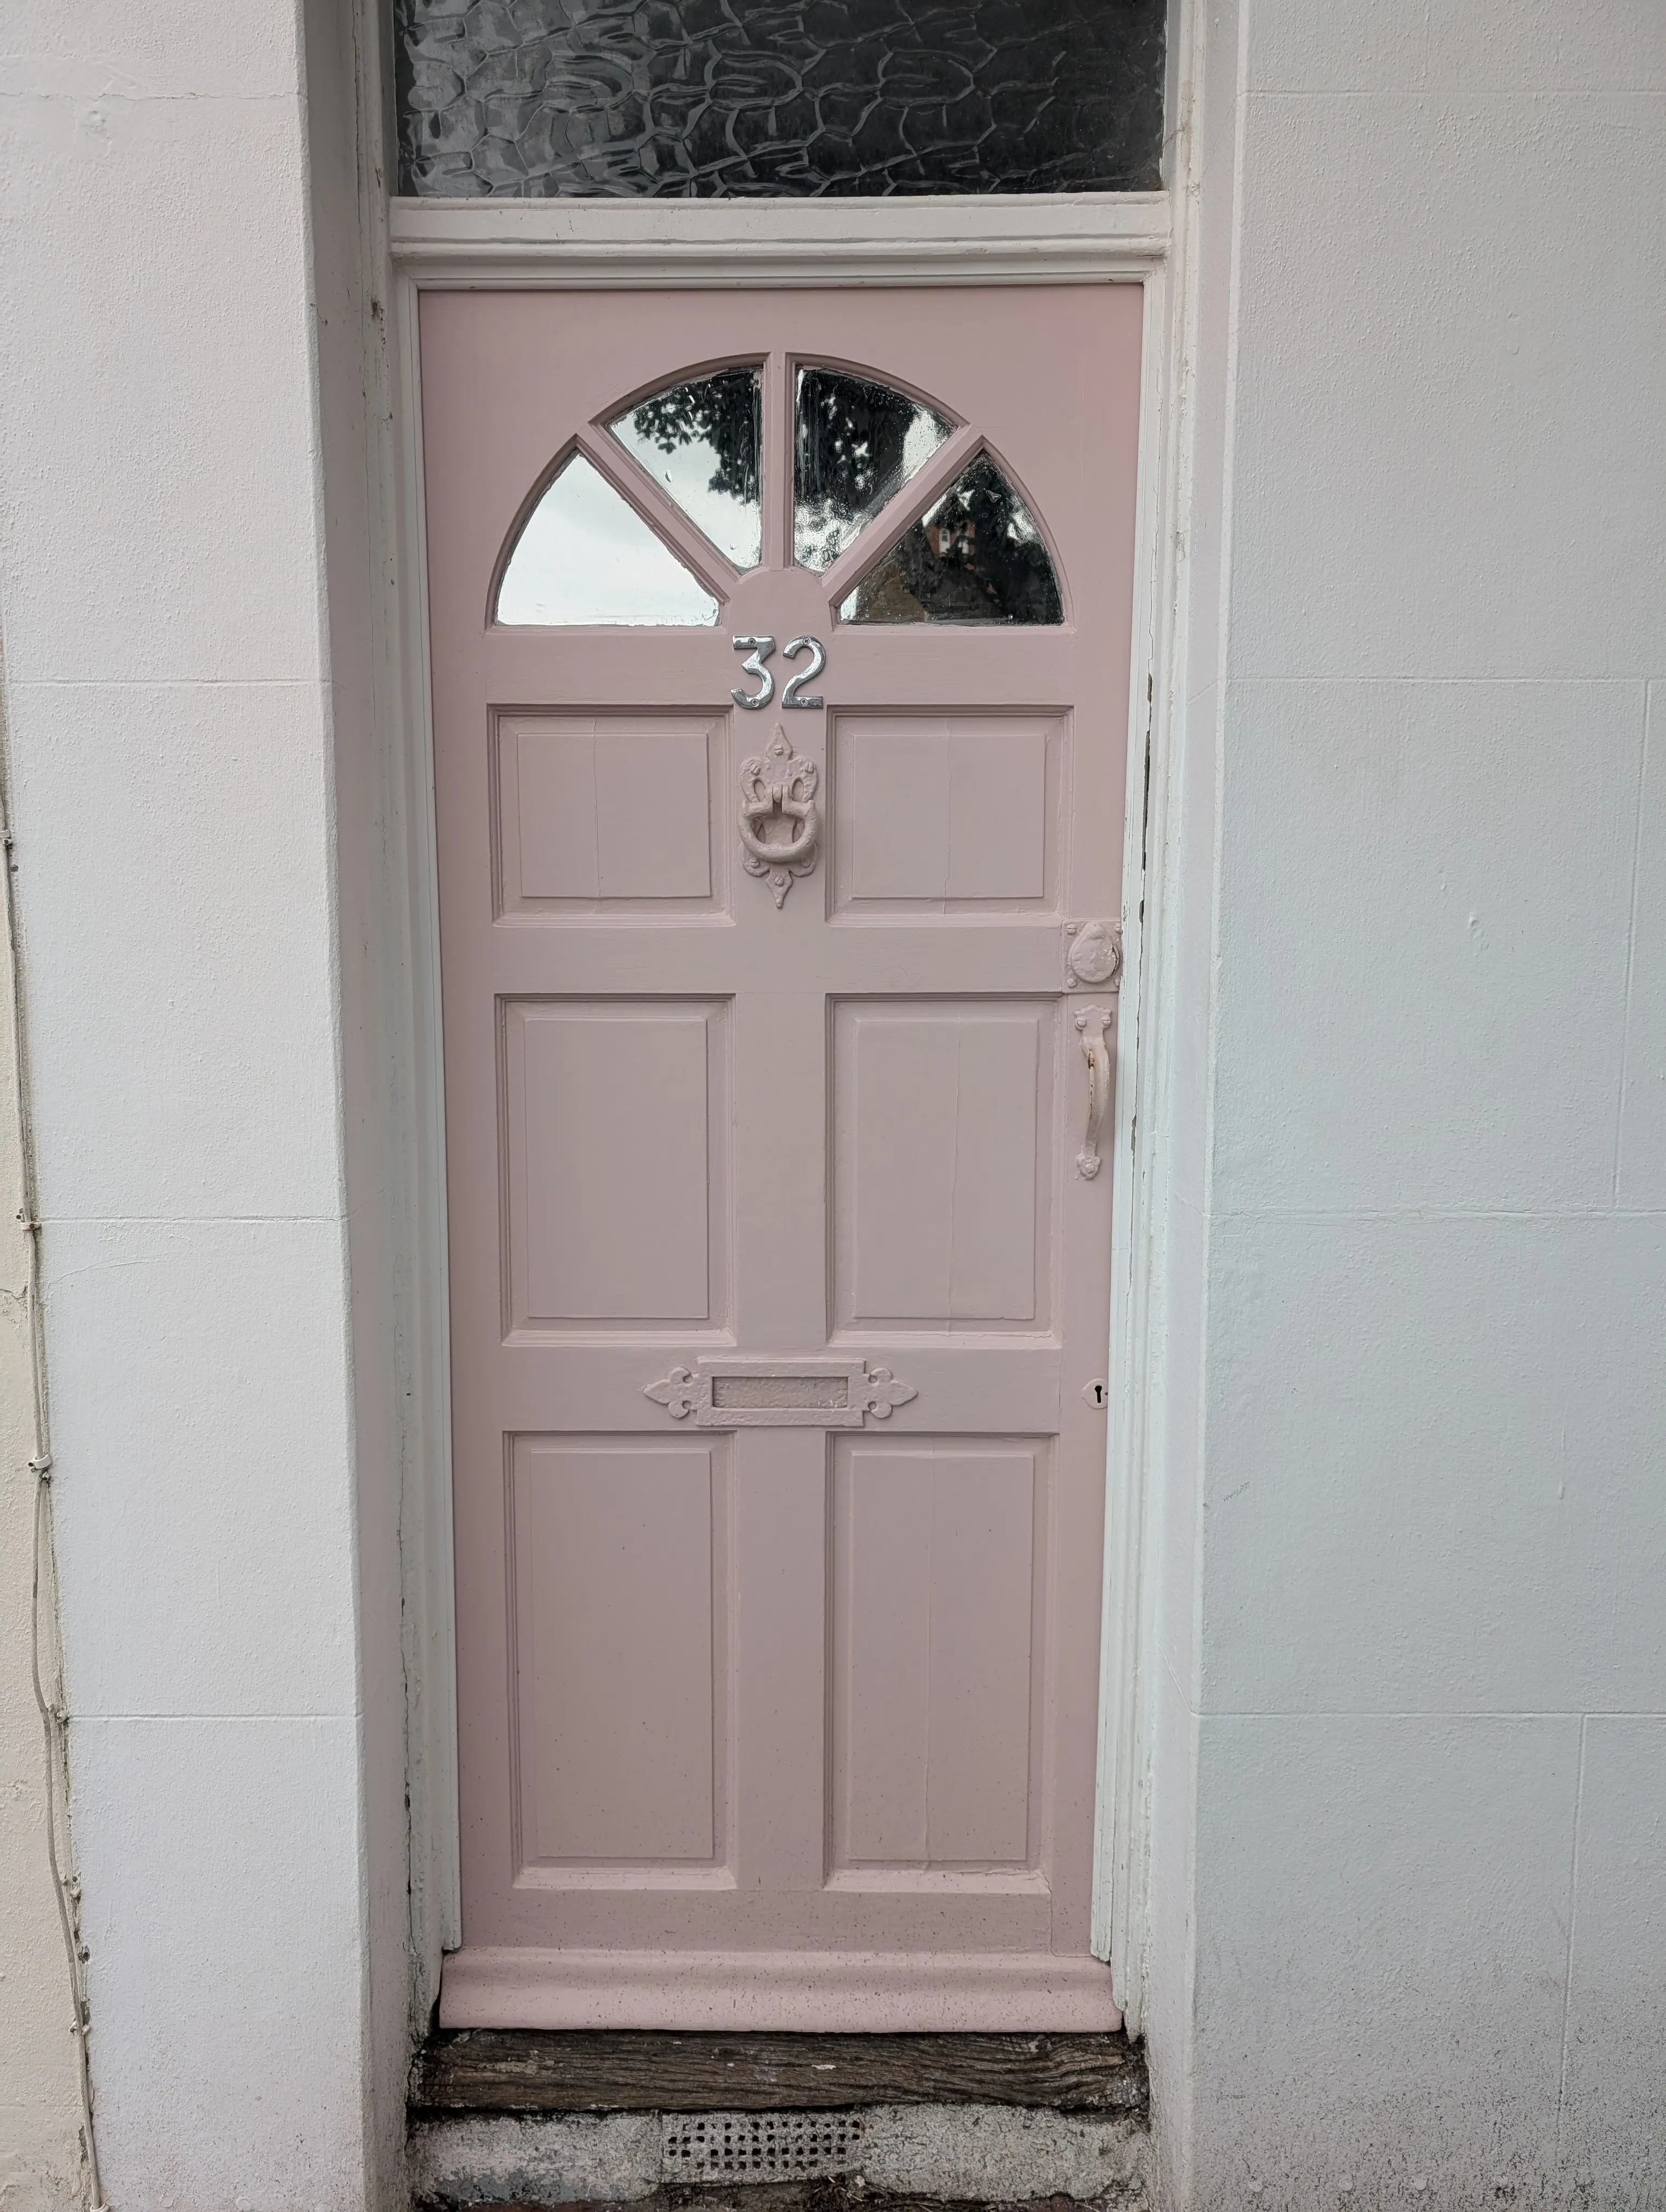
x: 1093, y: 956
x: 1097, y: 1394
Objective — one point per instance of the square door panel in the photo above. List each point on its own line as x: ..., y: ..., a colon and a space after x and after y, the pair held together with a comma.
x: 942, y: 1170
x: 607, y: 814
x: 938, y: 1607
x: 615, y: 1128
x: 617, y: 1649
x: 946, y: 813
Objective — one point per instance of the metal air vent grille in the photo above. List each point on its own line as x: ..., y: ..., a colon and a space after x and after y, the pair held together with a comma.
x: 760, y: 2146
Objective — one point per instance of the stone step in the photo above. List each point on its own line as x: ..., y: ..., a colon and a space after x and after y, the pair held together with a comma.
x: 667, y: 2123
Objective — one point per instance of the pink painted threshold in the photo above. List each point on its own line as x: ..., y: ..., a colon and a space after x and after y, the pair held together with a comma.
x: 861, y: 1992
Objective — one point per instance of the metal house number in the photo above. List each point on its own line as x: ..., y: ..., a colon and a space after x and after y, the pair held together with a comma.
x: 758, y: 650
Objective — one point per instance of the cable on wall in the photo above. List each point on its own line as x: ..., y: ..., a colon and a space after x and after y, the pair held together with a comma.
x: 46, y: 1656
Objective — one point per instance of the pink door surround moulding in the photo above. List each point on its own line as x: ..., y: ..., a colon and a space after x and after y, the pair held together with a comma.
x: 780, y: 1269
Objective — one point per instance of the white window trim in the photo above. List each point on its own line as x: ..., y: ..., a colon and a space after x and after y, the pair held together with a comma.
x: 1000, y: 238
x: 590, y: 245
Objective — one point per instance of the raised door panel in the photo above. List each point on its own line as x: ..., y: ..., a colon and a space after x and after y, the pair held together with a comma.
x: 615, y: 1128
x: 607, y: 814
x: 942, y: 1179
x: 946, y: 813
x: 616, y: 1651
x: 938, y: 1637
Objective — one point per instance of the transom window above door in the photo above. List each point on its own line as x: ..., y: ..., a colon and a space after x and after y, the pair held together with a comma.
x: 546, y: 99
x: 658, y: 508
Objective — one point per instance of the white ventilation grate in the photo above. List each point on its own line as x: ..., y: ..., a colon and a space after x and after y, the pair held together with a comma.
x: 760, y: 2146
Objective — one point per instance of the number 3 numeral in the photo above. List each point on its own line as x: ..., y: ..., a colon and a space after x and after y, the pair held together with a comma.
x: 757, y: 651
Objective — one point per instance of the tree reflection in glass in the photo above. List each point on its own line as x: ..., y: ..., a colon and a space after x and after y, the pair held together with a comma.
x: 855, y: 444
x: 976, y: 556
x: 701, y: 442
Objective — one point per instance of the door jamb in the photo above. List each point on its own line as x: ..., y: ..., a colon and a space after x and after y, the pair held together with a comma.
x: 599, y: 244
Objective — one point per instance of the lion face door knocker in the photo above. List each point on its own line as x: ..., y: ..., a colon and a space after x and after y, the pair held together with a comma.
x: 778, y: 789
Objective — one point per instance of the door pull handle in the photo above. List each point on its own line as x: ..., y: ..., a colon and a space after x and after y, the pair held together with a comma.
x: 1090, y: 1025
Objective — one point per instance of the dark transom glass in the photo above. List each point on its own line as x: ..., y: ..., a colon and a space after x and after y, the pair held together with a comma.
x: 709, y: 99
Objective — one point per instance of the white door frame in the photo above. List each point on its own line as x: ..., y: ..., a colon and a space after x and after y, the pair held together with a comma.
x: 595, y: 245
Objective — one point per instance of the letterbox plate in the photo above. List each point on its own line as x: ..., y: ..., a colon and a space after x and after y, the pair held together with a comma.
x: 813, y: 1393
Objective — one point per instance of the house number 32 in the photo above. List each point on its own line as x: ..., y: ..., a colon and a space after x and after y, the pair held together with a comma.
x: 757, y: 651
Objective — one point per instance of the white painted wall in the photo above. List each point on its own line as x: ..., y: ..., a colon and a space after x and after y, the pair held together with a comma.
x: 1409, y: 1880
x: 172, y: 357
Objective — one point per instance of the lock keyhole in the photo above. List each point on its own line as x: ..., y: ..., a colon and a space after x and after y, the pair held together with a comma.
x: 1097, y: 1394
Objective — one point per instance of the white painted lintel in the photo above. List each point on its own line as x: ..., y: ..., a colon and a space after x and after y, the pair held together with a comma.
x: 1006, y: 238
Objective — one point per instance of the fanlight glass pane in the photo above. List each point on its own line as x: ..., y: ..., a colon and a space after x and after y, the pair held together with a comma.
x: 701, y: 441
x: 976, y: 556
x: 855, y: 445
x: 586, y: 557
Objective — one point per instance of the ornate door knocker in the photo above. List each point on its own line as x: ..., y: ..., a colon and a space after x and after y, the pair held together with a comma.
x: 779, y: 784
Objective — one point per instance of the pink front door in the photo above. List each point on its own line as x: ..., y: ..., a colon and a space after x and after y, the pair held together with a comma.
x: 775, y: 1081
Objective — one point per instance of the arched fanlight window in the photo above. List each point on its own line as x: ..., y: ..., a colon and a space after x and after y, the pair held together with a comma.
x: 855, y: 444
x: 585, y: 555
x: 702, y: 442
x: 588, y: 555
x: 975, y: 555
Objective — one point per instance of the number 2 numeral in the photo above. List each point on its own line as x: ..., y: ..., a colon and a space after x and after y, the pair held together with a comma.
x: 792, y: 696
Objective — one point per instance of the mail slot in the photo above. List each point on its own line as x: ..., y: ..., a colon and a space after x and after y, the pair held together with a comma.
x: 826, y: 1394
x: 779, y: 1394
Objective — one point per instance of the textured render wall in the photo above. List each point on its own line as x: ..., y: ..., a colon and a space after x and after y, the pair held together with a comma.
x: 172, y: 724
x: 1412, y: 1903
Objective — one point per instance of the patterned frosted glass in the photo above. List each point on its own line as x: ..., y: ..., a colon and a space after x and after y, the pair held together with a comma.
x: 855, y: 443
x: 976, y: 556
x: 701, y: 442
x: 586, y: 557
x: 706, y: 99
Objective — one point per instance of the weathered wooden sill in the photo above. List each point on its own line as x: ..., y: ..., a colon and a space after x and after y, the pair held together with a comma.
x: 537, y: 2070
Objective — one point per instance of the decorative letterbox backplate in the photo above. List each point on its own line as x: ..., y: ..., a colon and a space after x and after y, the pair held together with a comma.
x: 780, y: 1393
